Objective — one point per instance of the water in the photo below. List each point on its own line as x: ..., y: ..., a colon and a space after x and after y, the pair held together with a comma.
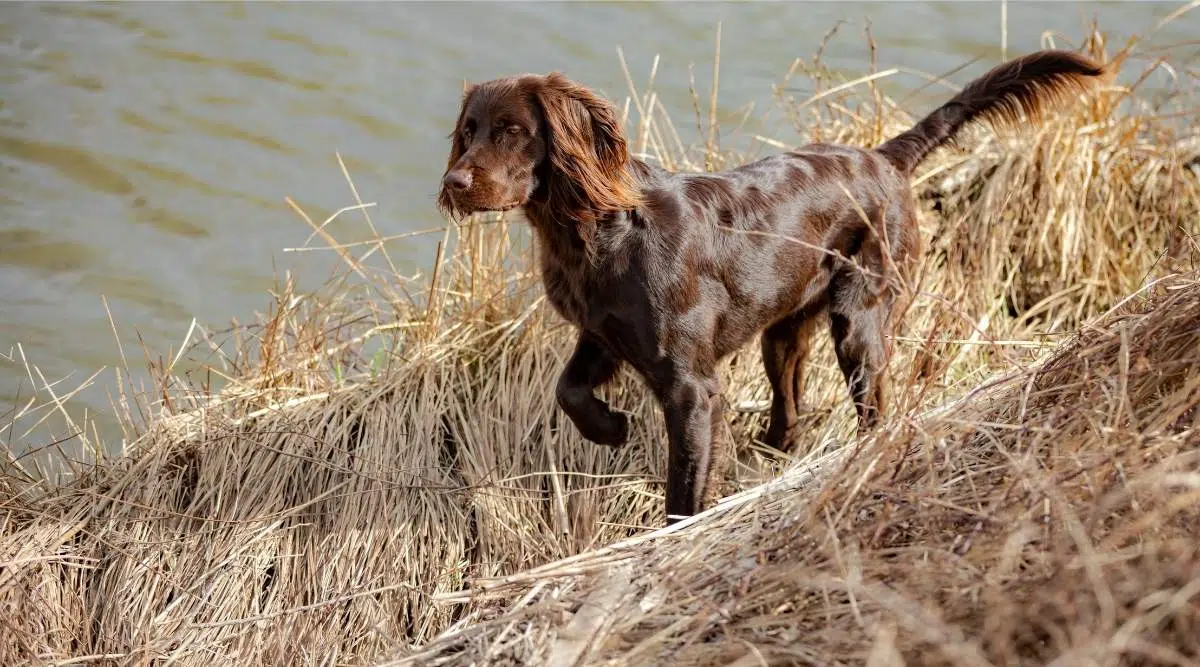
x: 146, y: 148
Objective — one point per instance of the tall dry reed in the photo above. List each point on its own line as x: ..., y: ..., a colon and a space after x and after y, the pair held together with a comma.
x: 363, y: 454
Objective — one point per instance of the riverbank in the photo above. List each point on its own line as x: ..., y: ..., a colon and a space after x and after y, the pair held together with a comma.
x: 383, y: 470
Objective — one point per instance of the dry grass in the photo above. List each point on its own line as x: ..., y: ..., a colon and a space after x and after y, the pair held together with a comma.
x: 1051, y: 518
x: 382, y: 445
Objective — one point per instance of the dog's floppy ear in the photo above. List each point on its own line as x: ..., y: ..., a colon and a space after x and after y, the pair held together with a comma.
x: 586, y: 145
x: 457, y: 148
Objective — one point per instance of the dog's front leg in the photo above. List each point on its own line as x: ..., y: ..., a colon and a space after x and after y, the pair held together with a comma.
x: 689, y: 404
x: 589, y: 367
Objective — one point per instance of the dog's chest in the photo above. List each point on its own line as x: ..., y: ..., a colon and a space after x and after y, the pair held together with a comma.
x: 620, y: 313
x: 576, y: 294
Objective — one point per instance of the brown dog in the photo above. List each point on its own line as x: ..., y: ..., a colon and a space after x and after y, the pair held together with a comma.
x: 671, y: 273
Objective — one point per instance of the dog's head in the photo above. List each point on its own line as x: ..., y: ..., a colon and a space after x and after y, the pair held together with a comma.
x: 543, y: 138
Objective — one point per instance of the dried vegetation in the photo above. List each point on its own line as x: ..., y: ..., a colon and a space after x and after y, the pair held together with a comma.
x: 382, y: 475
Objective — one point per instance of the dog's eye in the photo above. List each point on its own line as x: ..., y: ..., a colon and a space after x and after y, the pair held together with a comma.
x: 514, y: 129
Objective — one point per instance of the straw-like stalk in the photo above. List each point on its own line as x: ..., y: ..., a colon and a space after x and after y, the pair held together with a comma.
x: 377, y: 469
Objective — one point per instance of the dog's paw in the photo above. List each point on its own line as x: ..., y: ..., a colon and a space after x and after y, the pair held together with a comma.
x: 787, y: 439
x: 612, y: 431
x: 777, y: 436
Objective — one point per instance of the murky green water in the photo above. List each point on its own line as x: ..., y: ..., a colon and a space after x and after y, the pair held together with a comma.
x: 146, y: 148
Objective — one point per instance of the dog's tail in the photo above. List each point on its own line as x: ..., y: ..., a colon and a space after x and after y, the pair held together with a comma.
x: 1029, y: 85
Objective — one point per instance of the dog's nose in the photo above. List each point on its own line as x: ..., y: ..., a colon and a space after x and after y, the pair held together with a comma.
x: 458, y: 180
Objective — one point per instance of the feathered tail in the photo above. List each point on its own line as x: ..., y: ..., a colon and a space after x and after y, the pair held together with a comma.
x: 1030, y: 85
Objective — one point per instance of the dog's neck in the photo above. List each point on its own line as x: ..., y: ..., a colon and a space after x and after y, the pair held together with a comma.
x: 587, y: 242
x: 575, y: 271
x: 558, y: 234
x: 568, y: 234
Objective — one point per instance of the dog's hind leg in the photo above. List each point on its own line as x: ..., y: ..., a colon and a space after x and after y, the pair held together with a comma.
x: 858, y: 321
x: 785, y: 348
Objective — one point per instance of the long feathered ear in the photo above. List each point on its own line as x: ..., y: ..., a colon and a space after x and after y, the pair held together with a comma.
x: 456, y: 150
x: 587, y: 148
